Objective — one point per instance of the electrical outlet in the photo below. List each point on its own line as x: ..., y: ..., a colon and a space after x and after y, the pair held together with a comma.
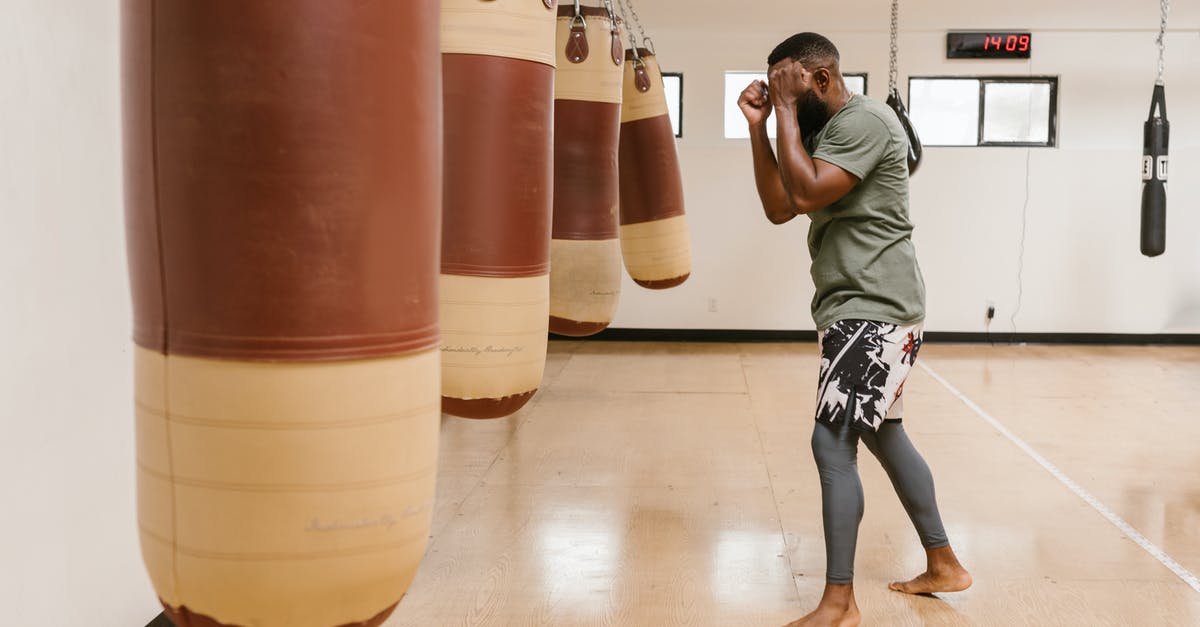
x: 991, y: 311
x: 712, y: 305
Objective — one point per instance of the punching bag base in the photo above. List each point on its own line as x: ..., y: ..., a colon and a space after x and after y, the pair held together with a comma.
x: 664, y: 284
x: 657, y: 253
x: 585, y: 284
x: 575, y: 328
x: 494, y: 343
x: 486, y: 408
x: 183, y: 617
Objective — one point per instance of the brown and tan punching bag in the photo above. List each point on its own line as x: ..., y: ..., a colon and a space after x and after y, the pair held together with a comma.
x: 585, y: 252
x: 654, y: 233
x: 498, y: 73
x: 283, y: 193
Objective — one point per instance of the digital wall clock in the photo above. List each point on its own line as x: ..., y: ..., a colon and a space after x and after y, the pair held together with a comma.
x: 989, y: 45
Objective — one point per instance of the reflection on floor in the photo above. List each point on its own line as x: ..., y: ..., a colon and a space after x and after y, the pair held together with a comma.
x: 672, y: 484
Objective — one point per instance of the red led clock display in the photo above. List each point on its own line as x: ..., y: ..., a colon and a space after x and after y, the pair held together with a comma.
x: 989, y: 45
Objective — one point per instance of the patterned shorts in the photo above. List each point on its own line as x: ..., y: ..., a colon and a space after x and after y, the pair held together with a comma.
x: 864, y: 365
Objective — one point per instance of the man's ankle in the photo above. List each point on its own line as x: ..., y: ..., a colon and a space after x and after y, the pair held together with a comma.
x: 838, y: 597
x: 942, y: 559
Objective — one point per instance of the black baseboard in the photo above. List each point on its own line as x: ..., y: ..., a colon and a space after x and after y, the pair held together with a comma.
x: 1086, y: 339
x: 695, y: 335
x: 160, y: 621
x: 947, y: 337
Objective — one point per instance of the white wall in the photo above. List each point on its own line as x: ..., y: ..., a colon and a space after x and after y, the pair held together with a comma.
x: 1083, y: 271
x: 68, y: 536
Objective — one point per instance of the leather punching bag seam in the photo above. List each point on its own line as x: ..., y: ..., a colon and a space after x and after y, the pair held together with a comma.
x: 162, y: 277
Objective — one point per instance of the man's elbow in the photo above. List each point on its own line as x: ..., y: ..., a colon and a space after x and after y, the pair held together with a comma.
x: 803, y: 206
x: 780, y: 212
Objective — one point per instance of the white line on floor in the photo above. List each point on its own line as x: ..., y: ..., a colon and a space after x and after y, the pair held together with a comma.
x: 1087, y: 497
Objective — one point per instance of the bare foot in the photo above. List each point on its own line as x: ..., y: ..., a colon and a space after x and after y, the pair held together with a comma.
x: 829, y: 617
x: 941, y: 580
x: 836, y: 609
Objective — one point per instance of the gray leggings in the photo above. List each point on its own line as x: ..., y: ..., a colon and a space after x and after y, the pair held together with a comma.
x: 835, y: 447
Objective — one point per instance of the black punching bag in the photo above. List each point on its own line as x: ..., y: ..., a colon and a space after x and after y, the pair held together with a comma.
x: 1156, y: 136
x: 914, y: 142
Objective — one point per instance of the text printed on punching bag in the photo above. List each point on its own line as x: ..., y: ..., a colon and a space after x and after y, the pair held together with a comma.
x: 1149, y: 170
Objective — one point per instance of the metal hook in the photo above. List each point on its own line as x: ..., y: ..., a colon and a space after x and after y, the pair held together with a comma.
x: 578, y: 16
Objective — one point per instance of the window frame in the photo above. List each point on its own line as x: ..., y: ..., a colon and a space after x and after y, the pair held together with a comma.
x: 678, y: 135
x: 866, y: 80
x: 984, y: 80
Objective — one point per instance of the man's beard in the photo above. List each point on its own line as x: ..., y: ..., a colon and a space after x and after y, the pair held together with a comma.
x: 812, y: 114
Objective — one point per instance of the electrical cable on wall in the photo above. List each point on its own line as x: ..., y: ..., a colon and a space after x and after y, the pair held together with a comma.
x: 1012, y: 320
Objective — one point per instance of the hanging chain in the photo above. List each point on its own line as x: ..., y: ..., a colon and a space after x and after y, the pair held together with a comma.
x: 1165, y: 7
x: 629, y: 30
x: 637, y: 22
x: 894, y: 68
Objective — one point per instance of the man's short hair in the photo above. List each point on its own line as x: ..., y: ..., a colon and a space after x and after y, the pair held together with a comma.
x: 810, y: 49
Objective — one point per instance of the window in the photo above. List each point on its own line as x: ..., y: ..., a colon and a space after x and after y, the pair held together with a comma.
x: 1016, y: 113
x: 856, y: 82
x: 673, y: 84
x: 984, y: 110
x: 945, y: 112
x: 736, y: 82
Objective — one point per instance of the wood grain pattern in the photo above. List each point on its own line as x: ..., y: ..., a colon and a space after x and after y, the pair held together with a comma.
x: 672, y: 484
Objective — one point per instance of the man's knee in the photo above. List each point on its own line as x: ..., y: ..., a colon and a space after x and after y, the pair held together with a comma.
x: 834, y: 448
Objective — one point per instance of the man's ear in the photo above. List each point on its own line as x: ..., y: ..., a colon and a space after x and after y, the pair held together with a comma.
x: 822, y: 78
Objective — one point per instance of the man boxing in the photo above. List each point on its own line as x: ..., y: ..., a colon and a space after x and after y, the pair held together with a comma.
x: 843, y: 163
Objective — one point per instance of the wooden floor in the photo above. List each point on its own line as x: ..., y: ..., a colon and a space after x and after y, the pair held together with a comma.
x: 673, y: 484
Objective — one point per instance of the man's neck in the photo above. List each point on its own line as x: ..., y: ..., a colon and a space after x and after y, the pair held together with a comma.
x: 839, y: 96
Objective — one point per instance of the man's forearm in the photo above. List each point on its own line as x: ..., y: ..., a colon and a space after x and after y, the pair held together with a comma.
x: 776, y: 205
x: 798, y: 173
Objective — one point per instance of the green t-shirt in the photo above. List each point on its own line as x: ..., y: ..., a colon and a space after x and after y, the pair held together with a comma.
x: 864, y: 265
